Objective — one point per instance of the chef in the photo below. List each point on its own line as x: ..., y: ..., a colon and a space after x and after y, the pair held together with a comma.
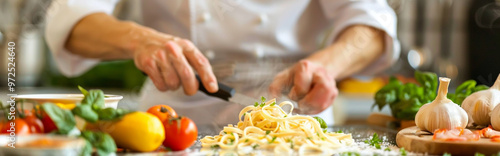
x: 295, y: 48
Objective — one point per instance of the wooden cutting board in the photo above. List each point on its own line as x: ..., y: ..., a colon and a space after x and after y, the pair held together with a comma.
x: 422, y: 142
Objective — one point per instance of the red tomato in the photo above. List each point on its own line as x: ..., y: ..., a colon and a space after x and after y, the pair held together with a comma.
x: 163, y: 112
x: 48, y: 124
x: 179, y: 136
x: 20, y: 127
x: 35, y: 124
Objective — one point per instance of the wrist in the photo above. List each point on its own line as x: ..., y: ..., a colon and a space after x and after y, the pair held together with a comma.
x: 333, y: 59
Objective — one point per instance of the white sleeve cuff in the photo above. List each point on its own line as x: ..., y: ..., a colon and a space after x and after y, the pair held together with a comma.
x: 374, y: 13
x: 61, y: 17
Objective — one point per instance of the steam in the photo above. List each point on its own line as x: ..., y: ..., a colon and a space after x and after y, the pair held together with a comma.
x: 487, y: 16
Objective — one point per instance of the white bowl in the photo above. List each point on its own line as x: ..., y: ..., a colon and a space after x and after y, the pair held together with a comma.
x: 109, y: 100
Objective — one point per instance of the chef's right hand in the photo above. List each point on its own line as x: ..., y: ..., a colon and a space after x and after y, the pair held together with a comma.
x: 169, y: 62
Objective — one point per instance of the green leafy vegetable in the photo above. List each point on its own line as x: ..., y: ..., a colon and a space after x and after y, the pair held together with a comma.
x: 256, y: 104
x: 101, y: 141
x: 387, y: 149
x: 374, y: 141
x: 478, y: 154
x: 350, y: 154
x: 402, y: 151
x: 322, y: 122
x: 91, y: 108
x: 85, y: 112
x: 405, y: 100
x: 62, y: 118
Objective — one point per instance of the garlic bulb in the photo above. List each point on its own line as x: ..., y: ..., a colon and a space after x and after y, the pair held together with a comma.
x: 479, y: 105
x: 441, y: 113
x: 495, y: 117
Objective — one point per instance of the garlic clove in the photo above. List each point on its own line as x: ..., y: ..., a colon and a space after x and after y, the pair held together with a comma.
x: 441, y: 113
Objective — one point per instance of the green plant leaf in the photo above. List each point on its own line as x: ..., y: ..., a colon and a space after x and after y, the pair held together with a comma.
x: 95, y: 98
x: 63, y: 119
x: 322, y: 122
x: 85, y: 112
x: 103, y: 142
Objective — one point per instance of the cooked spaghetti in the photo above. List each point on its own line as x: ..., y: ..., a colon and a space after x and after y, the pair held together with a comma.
x: 267, y: 126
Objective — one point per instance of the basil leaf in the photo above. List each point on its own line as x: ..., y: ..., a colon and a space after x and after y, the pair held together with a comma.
x: 85, y: 112
x: 466, y: 87
x: 87, y: 150
x: 480, y: 88
x: 112, y: 114
x: 107, y: 114
x: 103, y: 142
x: 83, y: 90
x: 63, y: 119
x: 322, y: 122
x: 95, y: 98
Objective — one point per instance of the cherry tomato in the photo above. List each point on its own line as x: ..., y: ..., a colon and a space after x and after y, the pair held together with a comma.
x: 48, y: 124
x: 163, y: 112
x: 179, y: 136
x: 20, y: 127
x: 35, y: 124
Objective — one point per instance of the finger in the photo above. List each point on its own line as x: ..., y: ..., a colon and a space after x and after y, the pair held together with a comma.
x: 279, y: 83
x: 321, y: 95
x: 167, y: 71
x: 182, y: 68
x: 148, y: 65
x: 302, y: 79
x: 200, y: 64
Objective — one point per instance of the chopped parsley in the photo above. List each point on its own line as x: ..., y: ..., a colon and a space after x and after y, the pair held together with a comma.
x: 262, y: 104
x: 263, y: 99
x: 350, y: 154
x: 402, y: 151
x: 340, y: 131
x: 256, y: 104
x: 214, y: 146
x: 291, y: 144
x: 272, y: 104
x: 267, y: 132
x: 309, y: 138
x: 478, y: 154
x: 274, y: 138
x: 247, y: 140
x: 255, y: 146
x: 387, y: 149
x: 375, y: 141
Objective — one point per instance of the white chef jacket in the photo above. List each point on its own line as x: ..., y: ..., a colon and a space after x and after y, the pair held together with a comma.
x: 247, y: 41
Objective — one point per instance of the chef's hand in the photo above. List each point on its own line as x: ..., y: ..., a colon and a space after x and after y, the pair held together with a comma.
x: 309, y: 84
x: 169, y: 62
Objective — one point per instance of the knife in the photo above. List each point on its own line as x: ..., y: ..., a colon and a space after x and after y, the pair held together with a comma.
x: 228, y: 94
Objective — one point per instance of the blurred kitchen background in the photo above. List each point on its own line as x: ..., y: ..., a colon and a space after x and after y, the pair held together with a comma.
x: 459, y: 39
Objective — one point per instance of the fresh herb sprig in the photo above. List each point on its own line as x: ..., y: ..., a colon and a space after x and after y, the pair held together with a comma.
x: 405, y: 100
x: 374, y: 141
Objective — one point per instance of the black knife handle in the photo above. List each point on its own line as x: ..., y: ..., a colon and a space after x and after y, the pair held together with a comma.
x: 224, y: 92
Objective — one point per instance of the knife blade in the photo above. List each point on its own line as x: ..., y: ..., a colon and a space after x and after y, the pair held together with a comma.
x: 227, y: 93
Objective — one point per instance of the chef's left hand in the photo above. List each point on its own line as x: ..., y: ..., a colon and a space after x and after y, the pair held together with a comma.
x: 308, y: 83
